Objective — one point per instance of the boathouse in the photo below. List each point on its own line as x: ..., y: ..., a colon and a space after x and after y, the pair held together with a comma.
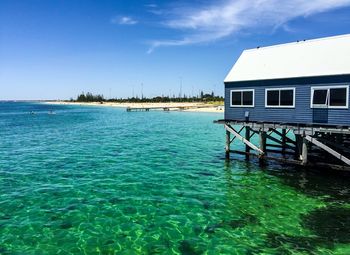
x: 299, y: 82
x: 295, y: 98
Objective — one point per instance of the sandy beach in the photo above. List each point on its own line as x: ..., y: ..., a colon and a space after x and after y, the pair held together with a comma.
x: 202, y: 107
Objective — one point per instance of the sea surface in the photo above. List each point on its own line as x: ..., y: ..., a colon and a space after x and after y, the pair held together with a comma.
x: 99, y: 180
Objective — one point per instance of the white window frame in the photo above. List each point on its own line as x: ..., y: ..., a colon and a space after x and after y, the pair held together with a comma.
x: 242, y: 105
x: 328, y: 88
x: 279, y: 106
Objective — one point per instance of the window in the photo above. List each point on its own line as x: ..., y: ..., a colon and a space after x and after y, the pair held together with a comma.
x: 338, y: 97
x: 242, y: 98
x: 284, y: 97
x: 330, y: 97
x: 320, y: 97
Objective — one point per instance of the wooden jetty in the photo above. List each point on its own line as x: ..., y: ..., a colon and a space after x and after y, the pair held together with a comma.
x: 293, y: 103
x: 302, y: 144
x: 169, y: 108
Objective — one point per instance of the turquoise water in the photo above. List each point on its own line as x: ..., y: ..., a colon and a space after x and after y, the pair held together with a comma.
x: 96, y: 180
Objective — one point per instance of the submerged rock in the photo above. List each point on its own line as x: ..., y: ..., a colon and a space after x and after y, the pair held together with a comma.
x: 66, y: 225
x: 205, y: 174
x: 186, y: 248
x: 331, y: 223
x: 212, y: 228
x: 241, y: 222
x: 109, y: 242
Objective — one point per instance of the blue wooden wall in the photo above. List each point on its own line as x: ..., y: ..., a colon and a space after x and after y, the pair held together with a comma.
x: 302, y: 113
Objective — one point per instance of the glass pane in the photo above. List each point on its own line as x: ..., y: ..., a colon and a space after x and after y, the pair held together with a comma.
x: 320, y: 96
x: 248, y: 98
x: 337, y: 97
x: 236, y: 98
x: 273, y: 97
x: 287, y: 97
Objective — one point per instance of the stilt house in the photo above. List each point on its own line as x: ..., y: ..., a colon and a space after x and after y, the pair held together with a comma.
x: 302, y: 82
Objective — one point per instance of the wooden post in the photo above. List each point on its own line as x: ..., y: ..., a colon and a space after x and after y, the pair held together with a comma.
x: 247, y: 136
x: 284, y: 134
x: 298, y: 145
x: 339, y: 139
x: 262, y: 136
x: 304, y: 151
x: 228, y: 141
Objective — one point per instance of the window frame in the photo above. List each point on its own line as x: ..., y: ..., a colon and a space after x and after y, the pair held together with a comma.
x: 279, y: 99
x: 327, y: 105
x: 242, y: 105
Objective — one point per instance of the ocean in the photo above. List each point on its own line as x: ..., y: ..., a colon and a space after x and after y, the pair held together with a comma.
x: 99, y: 180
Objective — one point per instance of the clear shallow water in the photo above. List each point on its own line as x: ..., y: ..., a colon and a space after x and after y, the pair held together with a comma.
x: 95, y: 180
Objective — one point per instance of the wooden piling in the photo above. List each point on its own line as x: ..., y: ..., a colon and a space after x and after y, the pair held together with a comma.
x: 298, y: 146
x: 284, y: 140
x: 339, y: 139
x: 262, y: 142
x: 247, y: 136
x: 228, y: 141
x: 304, y: 151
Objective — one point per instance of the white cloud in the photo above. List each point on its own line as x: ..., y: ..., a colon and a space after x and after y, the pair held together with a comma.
x: 223, y: 19
x: 151, y: 5
x: 153, y: 8
x: 124, y: 20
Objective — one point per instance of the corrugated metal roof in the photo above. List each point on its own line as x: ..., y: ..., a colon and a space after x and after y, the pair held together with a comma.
x: 319, y: 57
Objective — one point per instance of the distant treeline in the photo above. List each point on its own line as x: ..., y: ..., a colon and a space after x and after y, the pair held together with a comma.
x: 89, y: 97
x: 202, y: 97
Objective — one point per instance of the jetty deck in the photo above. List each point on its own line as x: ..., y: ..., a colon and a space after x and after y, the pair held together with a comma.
x: 169, y: 108
x: 297, y: 143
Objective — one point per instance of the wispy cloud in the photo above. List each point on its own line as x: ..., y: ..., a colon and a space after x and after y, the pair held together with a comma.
x: 214, y: 22
x: 151, y: 5
x: 124, y: 20
x: 154, y: 9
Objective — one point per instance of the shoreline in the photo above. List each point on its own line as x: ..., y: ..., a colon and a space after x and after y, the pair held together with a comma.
x: 204, y: 107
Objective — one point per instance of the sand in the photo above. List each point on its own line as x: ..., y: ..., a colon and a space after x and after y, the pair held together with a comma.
x: 204, y: 107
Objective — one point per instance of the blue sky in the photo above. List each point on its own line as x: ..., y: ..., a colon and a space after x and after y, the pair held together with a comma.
x: 56, y: 49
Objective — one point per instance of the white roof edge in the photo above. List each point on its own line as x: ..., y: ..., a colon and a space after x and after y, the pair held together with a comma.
x: 292, y: 77
x: 298, y: 42
x: 307, y: 58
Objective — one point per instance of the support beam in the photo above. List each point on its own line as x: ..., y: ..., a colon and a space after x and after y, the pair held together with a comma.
x: 328, y: 149
x: 279, y: 146
x: 288, y: 140
x: 269, y: 137
x: 241, y: 138
x: 272, y: 138
x: 238, y: 133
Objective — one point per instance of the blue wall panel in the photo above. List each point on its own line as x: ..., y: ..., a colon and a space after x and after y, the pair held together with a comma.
x: 302, y: 113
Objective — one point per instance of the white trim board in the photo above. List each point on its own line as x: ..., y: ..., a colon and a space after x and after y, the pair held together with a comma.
x: 280, y: 106
x: 242, y: 106
x: 327, y: 106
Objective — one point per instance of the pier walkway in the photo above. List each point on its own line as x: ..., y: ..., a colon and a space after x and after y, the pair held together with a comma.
x: 169, y: 108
